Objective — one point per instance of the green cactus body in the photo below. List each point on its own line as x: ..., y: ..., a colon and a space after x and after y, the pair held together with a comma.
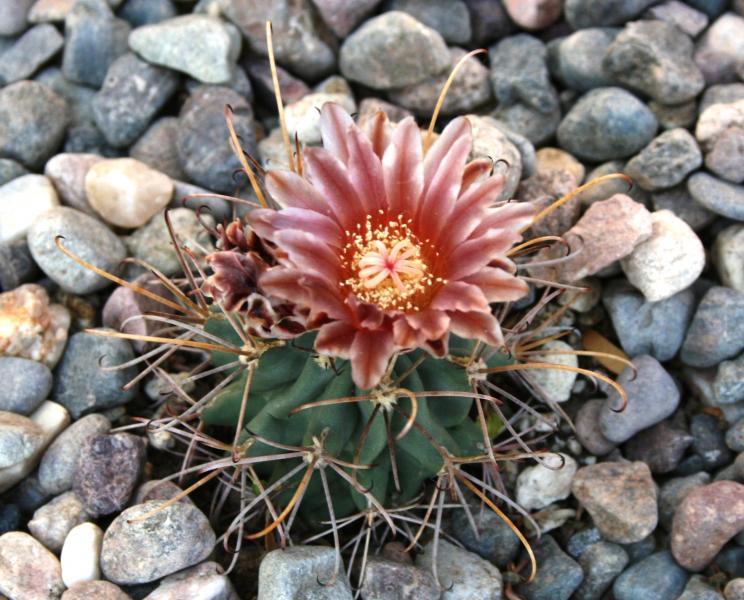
x: 288, y: 375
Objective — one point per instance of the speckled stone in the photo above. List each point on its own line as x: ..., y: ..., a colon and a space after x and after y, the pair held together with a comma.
x: 28, y: 571
x: 656, y: 577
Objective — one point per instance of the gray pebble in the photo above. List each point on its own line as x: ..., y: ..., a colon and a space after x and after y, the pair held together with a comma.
x: 721, y: 48
x: 601, y: 562
x: 666, y: 161
x: 579, y: 58
x: 26, y: 384
x: 387, y: 578
x: 678, y: 115
x: 580, y: 542
x: 728, y: 386
x: 723, y: 93
x: 342, y: 17
x: 735, y: 436
x: 558, y: 576
x: 721, y: 197
x: 534, y: 125
x: 661, y: 446
x: 593, y: 13
x: 673, y: 491
x: 726, y: 155
x: 52, y: 522
x: 10, y: 169
x: 679, y: 200
x: 657, y: 577
x: 709, y: 441
x: 698, y: 589
x: 147, y: 12
x: 13, y: 17
x: 490, y: 141
x: 157, y: 148
x: 674, y: 12
x: 17, y: 266
x: 35, y: 47
x: 495, y: 540
x: 449, y: 17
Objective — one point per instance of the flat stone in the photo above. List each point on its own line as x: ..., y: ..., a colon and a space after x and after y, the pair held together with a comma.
x: 534, y: 14
x: 26, y: 384
x: 601, y: 563
x: 558, y: 575
x: 667, y: 262
x: 84, y: 236
x: 27, y: 569
x: 52, y: 522
x: 721, y: 197
x: 538, y: 486
x: 592, y: 13
x: 157, y: 148
x: 341, y: 16
x: 29, y: 52
x: 203, y: 47
x: 22, y: 202
x: 656, y: 576
x: 386, y: 578
x: 666, y: 161
x: 33, y: 328
x: 81, y: 553
x: 137, y: 550
x: 579, y: 58
x: 100, y: 590
x: 679, y: 200
x: 68, y: 170
x: 393, y: 50
x: 706, y: 519
x: 588, y: 431
x: 661, y: 447
x: 205, y: 581
x: 620, y: 497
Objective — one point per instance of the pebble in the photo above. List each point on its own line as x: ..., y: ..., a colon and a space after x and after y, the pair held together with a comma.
x: 656, y: 577
x: 68, y: 170
x: 728, y: 386
x: 132, y: 94
x: 593, y: 13
x: 519, y: 74
x: 489, y: 140
x: 462, y: 574
x: 717, y: 329
x: 59, y: 463
x: 718, y: 118
x: 81, y: 383
x: 735, y: 436
x: 721, y: 48
x: 620, y: 497
x: 643, y: 327
x: 495, y: 541
x: 303, y: 117
x: 33, y: 124
x: 726, y: 155
x: 685, y: 17
x: 26, y: 384
x: 661, y: 447
x: 582, y: 540
x: 538, y: 486
x: 393, y: 50
x: 558, y: 575
x: 679, y: 200
x: 205, y: 581
x: 707, y: 518
x: 13, y: 18
x: 655, y: 58
x: 450, y: 18
x: 666, y: 161
x: 470, y: 89
x: 158, y: 489
x: 672, y: 117
x: 10, y: 518
x: 541, y: 189
x: 730, y: 560
x: 588, y: 431
x: 607, y: 123
x: 602, y: 563
x: 33, y: 328
x: 81, y: 553
x: 16, y: 265
x: 91, y: 24
x: 386, y: 578
x: 203, y: 47
x: 84, y: 236
x: 107, y: 471
x: 709, y: 441
x: 147, y: 12
x: 537, y: 127
x: 299, y: 572
x: 579, y: 58
x: 534, y: 14
x: 555, y: 159
x: 126, y: 192
x: 10, y: 169
x: 28, y: 571
x: 157, y: 148
x: 22, y: 202
x: 53, y: 521
x: 20, y: 438
x: 673, y: 491
x: 554, y: 384
x: 100, y: 590
x: 721, y: 197
x: 667, y: 262
x: 29, y: 52
x: 200, y: 139
x: 734, y: 589
x: 724, y: 93
x: 341, y: 16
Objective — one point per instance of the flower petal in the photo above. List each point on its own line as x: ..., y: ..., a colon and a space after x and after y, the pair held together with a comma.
x: 498, y: 285
x: 470, y: 208
x: 477, y: 325
x: 456, y: 130
x: 335, y: 339
x: 369, y: 355
x: 513, y: 216
x: 432, y: 323
x: 365, y: 171
x: 334, y: 125
x: 403, y: 169
x: 475, y: 172
x: 284, y: 282
x: 266, y: 222
x: 307, y: 252
x: 475, y: 253
x: 457, y: 295
x: 377, y: 129
x: 291, y: 190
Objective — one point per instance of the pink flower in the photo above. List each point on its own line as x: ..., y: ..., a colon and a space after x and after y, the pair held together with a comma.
x: 393, y: 249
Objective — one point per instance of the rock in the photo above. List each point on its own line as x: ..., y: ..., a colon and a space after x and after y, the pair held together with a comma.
x: 666, y: 161
x: 200, y: 139
x: 28, y: 495
x: 10, y: 169
x: 620, y: 497
x: 10, y: 518
x: 13, y: 18
x: 588, y: 431
x: 449, y: 17
x: 655, y: 328
x: 464, y: 575
x: 203, y: 47
x: 91, y: 24
x: 717, y: 119
x: 26, y: 384
x: 687, y: 19
x: 534, y: 14
x: 132, y: 94
x: 68, y: 170
x: 205, y: 581
x: 100, y: 590
x: 27, y: 569
x: 16, y: 265
x: 147, y: 12
x: 661, y: 447
x: 519, y: 73
x: 592, y: 13
x: 52, y: 522
x: 720, y: 49
x: 393, y: 50
x: 82, y: 384
x: 555, y: 159
x: 488, y: 141
x: 557, y: 577
x: 495, y: 541
x: 537, y: 127
x: 721, y: 197
x: 734, y: 589
x: 298, y: 45
x: 126, y: 192
x: 673, y: 491
x: 581, y: 541
x: 669, y: 261
x: 342, y: 17
x: 300, y: 572
x: 20, y: 438
x: 676, y: 116
x: 706, y: 519
x: 292, y: 88
x: 158, y: 489
x: 470, y: 89
x: 137, y: 550
x: 655, y: 58
x: 729, y: 560
x: 157, y: 148
x: 579, y: 58
x: 726, y: 155
x: 59, y: 463
x: 607, y: 123
x: 709, y: 441
x: 81, y: 553
x: 85, y: 237
x: 555, y: 384
x: 22, y: 202
x: 717, y: 329
x: 386, y: 578
x: 725, y: 93
x: 601, y: 563
x: 542, y: 189
x: 682, y: 204
x: 656, y: 577
x: 303, y: 117
x: 35, y: 47
x: 540, y: 485
x: 33, y: 120
x: 735, y: 436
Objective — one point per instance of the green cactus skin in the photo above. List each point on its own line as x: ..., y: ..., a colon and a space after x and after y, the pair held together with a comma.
x: 289, y: 375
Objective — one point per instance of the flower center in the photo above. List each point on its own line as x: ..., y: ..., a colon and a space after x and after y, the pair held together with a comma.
x: 386, y: 265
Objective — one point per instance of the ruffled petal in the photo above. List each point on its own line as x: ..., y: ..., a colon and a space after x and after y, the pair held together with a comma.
x: 403, y: 169
x: 335, y: 339
x: 369, y: 356
x: 266, y: 222
x: 291, y: 190
x: 406, y: 336
x: 498, y: 285
x: 477, y: 325
x: 456, y: 130
x: 432, y: 323
x: 513, y: 216
x: 475, y: 172
x: 457, y: 295
x: 283, y: 282
x: 334, y: 125
x: 309, y: 253
x: 474, y: 254
x: 470, y: 209
x: 235, y: 278
x: 365, y: 171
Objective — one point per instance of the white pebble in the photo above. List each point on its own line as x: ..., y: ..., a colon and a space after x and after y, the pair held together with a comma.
x: 81, y: 554
x: 22, y: 200
x: 539, y: 486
